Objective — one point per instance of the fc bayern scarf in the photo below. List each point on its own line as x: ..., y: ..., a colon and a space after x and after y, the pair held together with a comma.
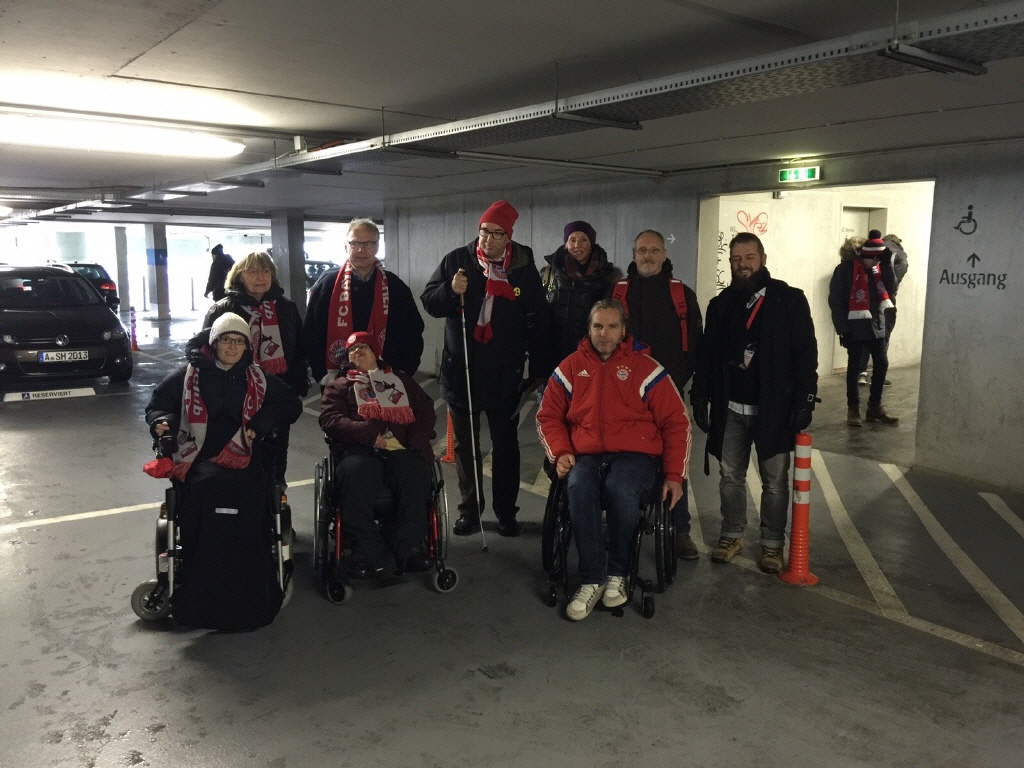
x: 265, y: 333
x: 381, y: 395
x: 497, y: 286
x: 860, y: 299
x: 194, y: 419
x: 339, y: 322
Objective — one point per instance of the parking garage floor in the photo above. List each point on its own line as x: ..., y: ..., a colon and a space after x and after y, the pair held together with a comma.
x: 908, y: 652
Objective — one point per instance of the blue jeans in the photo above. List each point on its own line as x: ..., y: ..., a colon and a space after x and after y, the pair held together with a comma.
x: 628, y: 477
x: 739, y: 437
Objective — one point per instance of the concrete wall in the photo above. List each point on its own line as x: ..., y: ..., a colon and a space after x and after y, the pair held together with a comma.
x: 970, y: 411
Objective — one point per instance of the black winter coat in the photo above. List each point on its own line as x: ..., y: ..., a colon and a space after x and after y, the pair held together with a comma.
x: 788, y: 354
x: 570, y: 300
x: 223, y: 394
x: 289, y: 323
x: 403, y: 344
x: 839, y: 302
x: 521, y: 328
x: 220, y: 265
x: 654, y: 321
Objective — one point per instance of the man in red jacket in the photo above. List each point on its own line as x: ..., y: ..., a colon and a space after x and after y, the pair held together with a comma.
x: 610, y: 404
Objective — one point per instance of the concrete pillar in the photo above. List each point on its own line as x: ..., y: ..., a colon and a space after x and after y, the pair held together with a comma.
x: 121, y: 252
x: 156, y: 262
x: 288, y: 237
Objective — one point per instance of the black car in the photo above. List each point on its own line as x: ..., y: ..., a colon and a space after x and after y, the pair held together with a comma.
x: 53, y: 324
x: 98, y: 277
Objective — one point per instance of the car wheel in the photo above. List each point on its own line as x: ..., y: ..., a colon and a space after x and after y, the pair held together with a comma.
x: 119, y: 378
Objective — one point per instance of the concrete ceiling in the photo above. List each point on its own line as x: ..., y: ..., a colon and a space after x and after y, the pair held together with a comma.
x: 409, y: 98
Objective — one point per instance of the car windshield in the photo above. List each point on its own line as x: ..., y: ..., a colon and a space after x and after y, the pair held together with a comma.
x: 90, y: 271
x: 45, y: 292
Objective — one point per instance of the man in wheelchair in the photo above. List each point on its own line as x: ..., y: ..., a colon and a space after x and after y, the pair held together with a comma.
x: 379, y: 423
x: 609, y: 412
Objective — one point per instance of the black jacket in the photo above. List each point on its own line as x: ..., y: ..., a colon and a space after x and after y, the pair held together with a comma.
x: 788, y: 364
x: 289, y: 322
x: 839, y: 302
x: 220, y: 265
x: 223, y: 395
x: 403, y: 345
x: 521, y: 328
x: 571, y: 299
x: 654, y: 321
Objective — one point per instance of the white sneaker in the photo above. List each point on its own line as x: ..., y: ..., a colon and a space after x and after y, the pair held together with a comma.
x: 862, y: 380
x: 614, y: 592
x: 583, y: 601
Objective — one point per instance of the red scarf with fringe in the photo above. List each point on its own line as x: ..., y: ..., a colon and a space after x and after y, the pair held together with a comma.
x: 265, y: 334
x: 497, y: 286
x: 381, y: 396
x: 860, y: 297
x: 339, y: 318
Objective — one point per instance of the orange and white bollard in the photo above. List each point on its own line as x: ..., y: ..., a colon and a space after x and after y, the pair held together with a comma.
x: 796, y: 571
x: 135, y: 342
x: 449, y: 454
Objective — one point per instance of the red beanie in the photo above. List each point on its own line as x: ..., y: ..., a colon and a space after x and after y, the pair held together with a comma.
x: 362, y: 337
x: 501, y: 214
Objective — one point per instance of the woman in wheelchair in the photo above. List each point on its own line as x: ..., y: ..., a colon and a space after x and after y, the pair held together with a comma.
x: 379, y: 423
x: 609, y: 416
x: 220, y: 401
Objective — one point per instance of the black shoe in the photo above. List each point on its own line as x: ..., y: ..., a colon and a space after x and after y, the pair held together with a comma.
x: 361, y: 569
x: 417, y: 562
x: 466, y: 525
x: 508, y: 528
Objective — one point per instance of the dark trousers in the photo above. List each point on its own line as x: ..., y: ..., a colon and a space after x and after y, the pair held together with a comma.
x: 504, y: 429
x: 865, y: 355
x: 877, y: 348
x: 362, y: 473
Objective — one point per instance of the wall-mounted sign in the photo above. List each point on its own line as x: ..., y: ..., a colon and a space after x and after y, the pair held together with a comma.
x: 807, y: 173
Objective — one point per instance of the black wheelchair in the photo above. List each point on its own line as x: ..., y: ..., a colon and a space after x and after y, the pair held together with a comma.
x: 655, y: 521
x: 329, y: 550
x: 250, y: 545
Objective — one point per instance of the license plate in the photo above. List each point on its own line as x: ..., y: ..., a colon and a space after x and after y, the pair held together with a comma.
x: 64, y: 356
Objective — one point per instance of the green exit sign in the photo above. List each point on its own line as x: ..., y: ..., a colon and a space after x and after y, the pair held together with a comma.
x: 807, y: 173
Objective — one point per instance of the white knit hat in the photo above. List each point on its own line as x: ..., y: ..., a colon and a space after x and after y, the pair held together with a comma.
x: 229, y: 322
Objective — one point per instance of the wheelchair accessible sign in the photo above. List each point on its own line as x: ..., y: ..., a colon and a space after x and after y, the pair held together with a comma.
x: 49, y: 394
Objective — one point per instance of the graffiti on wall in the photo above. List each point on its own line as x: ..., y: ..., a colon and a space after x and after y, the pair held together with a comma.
x: 756, y: 223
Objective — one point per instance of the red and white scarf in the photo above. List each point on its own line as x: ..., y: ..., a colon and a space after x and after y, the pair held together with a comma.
x: 194, y: 419
x: 497, y: 285
x: 265, y: 334
x: 381, y: 395
x: 339, y: 318
x: 860, y: 298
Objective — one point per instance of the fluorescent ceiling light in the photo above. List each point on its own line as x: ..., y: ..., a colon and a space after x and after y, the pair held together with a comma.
x: 103, y: 136
x: 936, y: 62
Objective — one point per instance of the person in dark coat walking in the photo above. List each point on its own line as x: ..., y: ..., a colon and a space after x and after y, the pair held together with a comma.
x: 578, y: 274
x: 860, y: 297
x: 755, y: 383
x: 380, y: 441
x: 275, y: 333
x: 361, y: 296
x: 506, y: 321
x: 220, y: 264
x: 652, y: 296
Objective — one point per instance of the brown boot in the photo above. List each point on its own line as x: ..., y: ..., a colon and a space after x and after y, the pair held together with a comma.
x: 876, y: 413
x: 853, y: 417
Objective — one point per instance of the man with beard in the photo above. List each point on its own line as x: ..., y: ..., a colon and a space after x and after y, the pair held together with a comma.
x: 755, y: 384
x: 663, y: 313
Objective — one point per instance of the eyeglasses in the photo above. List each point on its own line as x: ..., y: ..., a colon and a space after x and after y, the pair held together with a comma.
x: 355, y: 244
x: 497, y: 234
x: 231, y: 341
x: 257, y: 272
x: 641, y: 251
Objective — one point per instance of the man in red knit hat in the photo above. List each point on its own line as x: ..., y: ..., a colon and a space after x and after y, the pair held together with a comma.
x: 506, y: 322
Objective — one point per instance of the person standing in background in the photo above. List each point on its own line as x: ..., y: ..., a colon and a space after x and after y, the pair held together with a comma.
x: 220, y: 265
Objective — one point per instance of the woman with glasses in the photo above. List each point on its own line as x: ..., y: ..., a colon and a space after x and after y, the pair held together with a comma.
x: 275, y: 330
x: 220, y: 401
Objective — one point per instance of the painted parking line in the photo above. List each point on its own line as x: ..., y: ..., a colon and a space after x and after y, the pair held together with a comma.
x: 988, y: 591
x: 885, y: 596
x: 1004, y: 512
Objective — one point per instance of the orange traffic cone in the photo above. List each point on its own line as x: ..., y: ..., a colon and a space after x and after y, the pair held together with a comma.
x: 796, y: 571
x: 449, y: 454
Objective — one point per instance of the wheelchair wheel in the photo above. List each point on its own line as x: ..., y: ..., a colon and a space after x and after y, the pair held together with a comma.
x: 664, y: 544
x: 322, y: 518
x: 553, y: 531
x: 338, y: 591
x: 647, y: 606
x: 445, y: 580
x: 150, y: 601
x: 438, y: 523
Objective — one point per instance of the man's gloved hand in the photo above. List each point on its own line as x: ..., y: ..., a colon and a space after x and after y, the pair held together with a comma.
x: 701, y: 416
x: 842, y: 340
x: 799, y: 420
